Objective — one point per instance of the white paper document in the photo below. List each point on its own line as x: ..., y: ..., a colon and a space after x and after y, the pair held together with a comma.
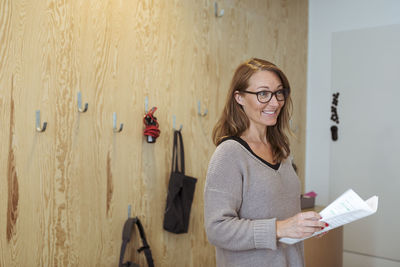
x: 345, y: 209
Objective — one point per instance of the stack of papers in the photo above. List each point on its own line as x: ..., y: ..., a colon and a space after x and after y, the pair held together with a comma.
x: 347, y: 208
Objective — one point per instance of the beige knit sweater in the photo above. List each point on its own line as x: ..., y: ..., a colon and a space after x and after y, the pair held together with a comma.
x: 243, y: 198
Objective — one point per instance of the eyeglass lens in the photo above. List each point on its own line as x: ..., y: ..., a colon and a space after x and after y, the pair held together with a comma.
x: 266, y: 96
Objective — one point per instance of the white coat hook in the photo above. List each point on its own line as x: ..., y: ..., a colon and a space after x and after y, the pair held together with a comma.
x: 218, y: 13
x: 146, y: 104
x: 80, y: 109
x: 115, y: 124
x: 39, y: 128
x: 174, y: 123
x: 199, y: 110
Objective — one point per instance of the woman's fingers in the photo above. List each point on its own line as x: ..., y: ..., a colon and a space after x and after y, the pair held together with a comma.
x: 315, y: 224
x: 301, y: 225
x: 310, y: 223
x: 310, y: 215
x: 311, y: 218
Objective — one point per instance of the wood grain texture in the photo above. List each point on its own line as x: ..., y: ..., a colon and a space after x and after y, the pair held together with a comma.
x: 12, y: 178
x: 74, y: 181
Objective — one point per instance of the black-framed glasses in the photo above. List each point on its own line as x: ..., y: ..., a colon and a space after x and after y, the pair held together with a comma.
x: 266, y: 96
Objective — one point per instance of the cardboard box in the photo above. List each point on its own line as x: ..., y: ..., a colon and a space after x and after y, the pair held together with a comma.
x: 307, y: 202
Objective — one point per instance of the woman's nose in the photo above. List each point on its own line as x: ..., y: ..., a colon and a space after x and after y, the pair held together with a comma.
x: 274, y: 101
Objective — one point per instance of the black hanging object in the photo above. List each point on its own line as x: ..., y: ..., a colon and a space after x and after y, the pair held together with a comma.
x: 335, y: 116
x: 181, y: 189
x: 334, y: 133
x: 126, y: 237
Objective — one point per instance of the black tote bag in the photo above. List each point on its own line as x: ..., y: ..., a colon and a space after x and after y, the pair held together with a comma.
x: 180, y: 191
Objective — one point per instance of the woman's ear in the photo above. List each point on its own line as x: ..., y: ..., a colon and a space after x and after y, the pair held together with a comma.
x: 238, y: 98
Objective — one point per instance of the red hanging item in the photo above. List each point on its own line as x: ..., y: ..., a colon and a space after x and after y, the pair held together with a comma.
x: 151, y: 126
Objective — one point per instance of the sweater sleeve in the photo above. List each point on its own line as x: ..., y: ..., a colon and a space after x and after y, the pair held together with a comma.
x: 222, y: 202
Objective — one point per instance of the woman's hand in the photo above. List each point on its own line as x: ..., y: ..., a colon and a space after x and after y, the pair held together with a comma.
x: 303, y: 224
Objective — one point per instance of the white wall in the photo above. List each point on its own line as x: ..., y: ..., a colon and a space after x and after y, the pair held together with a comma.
x: 365, y: 70
x: 326, y: 17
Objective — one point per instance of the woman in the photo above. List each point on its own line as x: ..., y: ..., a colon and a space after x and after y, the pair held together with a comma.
x: 252, y: 193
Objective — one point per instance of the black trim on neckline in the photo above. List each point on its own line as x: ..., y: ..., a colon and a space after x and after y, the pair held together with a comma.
x: 246, y: 145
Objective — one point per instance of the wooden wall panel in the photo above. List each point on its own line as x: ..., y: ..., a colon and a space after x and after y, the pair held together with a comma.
x: 65, y: 192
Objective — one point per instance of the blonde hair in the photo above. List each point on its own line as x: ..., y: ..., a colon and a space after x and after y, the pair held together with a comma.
x: 234, y: 121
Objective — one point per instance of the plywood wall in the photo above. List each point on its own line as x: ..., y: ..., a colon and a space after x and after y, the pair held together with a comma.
x: 64, y: 192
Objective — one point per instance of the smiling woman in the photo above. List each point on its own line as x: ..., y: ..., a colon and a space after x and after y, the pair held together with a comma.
x: 255, y: 76
x: 252, y: 193
x: 263, y: 110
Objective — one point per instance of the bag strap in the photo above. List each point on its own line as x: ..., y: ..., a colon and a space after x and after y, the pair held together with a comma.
x: 178, y: 153
x: 126, y: 237
x: 182, y: 153
x: 174, y: 167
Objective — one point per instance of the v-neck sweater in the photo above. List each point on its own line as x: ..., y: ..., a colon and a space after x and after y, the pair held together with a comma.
x: 247, y: 146
x: 243, y: 199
